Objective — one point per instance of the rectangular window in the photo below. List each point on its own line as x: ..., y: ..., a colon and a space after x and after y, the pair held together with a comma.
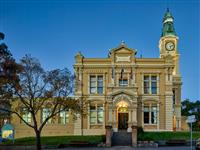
x: 123, y: 82
x: 93, y: 115
x: 153, y: 85
x: 150, y: 84
x: 146, y: 115
x: 146, y: 85
x: 96, y: 114
x: 100, y: 84
x: 153, y: 115
x: 26, y: 115
x: 150, y: 115
x: 45, y: 113
x: 96, y: 84
x: 64, y: 117
x: 99, y: 114
x: 92, y: 84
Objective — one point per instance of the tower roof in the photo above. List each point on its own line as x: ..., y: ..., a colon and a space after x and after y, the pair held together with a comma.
x: 168, y: 26
x: 168, y: 14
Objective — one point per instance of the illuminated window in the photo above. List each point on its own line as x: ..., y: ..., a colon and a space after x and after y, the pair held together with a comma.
x: 96, y: 84
x: 64, y: 117
x: 45, y: 113
x: 123, y: 106
x: 26, y: 115
x: 96, y: 114
x: 123, y: 109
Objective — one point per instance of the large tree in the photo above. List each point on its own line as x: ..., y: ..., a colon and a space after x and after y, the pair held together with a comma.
x: 8, y: 76
x: 192, y: 108
x: 40, y: 89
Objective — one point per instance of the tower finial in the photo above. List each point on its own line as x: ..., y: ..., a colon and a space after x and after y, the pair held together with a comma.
x: 122, y: 42
x: 167, y: 9
x: 168, y: 27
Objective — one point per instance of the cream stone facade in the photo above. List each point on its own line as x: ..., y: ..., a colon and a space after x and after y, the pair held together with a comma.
x: 129, y: 91
x: 123, y: 90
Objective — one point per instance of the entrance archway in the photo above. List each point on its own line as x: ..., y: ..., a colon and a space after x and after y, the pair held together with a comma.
x: 122, y: 115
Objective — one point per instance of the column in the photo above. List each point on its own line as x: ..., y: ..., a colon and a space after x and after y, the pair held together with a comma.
x: 88, y: 124
x: 116, y: 80
x: 158, y: 84
x: 169, y: 113
x: 142, y: 115
x: 158, y: 116
x: 114, y: 120
x: 134, y: 115
x: 150, y: 114
x: 108, y: 136
x: 129, y: 116
x: 110, y: 115
x: 128, y: 77
x: 104, y: 115
x: 129, y: 121
x: 134, y: 136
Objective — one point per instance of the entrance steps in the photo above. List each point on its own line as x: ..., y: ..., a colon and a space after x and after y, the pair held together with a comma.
x: 121, y: 138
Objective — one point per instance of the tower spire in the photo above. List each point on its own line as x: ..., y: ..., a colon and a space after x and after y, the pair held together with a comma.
x: 168, y: 25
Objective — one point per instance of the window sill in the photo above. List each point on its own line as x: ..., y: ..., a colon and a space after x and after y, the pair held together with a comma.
x: 150, y: 124
x: 95, y: 94
x: 96, y: 124
x: 151, y: 94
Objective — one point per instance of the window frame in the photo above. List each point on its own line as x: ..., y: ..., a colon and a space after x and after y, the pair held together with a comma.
x: 42, y: 115
x: 66, y: 117
x: 96, y: 113
x: 121, y: 82
x: 152, y: 113
x: 150, y: 89
x: 26, y: 115
x: 99, y: 84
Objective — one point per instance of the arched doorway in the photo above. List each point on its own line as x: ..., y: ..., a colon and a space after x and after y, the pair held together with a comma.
x: 122, y: 115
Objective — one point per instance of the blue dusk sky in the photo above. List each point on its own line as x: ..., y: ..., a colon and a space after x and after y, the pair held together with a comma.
x: 54, y: 31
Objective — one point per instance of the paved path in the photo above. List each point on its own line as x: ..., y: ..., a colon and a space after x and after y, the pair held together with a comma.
x: 129, y: 148
x: 95, y: 148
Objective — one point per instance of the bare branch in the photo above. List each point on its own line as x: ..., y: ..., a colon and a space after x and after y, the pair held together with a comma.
x: 18, y: 114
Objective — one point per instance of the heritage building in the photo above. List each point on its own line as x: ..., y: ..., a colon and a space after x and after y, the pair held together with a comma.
x: 123, y: 90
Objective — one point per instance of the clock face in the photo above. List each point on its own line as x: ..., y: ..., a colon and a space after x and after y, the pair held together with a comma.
x: 170, y: 46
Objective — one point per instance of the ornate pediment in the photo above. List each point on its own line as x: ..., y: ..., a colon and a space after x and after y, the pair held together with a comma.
x: 122, y: 54
x: 120, y: 92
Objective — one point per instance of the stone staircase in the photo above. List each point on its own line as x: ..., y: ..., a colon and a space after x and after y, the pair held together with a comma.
x: 121, y: 138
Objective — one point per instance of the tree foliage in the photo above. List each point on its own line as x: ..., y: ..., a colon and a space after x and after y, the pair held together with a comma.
x: 8, y: 75
x: 38, y: 89
x: 192, y: 108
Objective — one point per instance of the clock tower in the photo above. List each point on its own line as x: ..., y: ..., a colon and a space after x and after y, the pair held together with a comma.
x: 168, y: 43
x: 168, y: 46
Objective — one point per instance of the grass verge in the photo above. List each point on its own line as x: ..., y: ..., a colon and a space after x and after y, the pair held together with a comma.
x: 156, y: 136
x: 56, y: 140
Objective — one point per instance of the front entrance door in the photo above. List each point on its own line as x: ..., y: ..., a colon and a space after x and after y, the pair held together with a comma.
x: 122, y: 121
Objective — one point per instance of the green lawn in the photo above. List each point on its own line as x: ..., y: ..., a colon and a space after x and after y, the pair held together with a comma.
x: 155, y: 136
x: 145, y: 136
x: 56, y: 140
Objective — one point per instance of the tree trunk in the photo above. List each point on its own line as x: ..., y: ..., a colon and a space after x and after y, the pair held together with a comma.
x: 38, y: 140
